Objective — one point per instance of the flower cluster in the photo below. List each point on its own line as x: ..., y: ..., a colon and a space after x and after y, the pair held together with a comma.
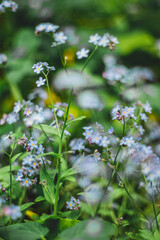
x: 97, y: 136
x: 105, y: 41
x: 46, y: 27
x: 31, y: 163
x: 8, y: 5
x: 40, y: 66
x: 73, y: 204
x: 3, y: 58
x: 120, y: 73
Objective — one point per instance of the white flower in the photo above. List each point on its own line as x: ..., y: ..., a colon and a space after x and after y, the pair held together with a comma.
x: 60, y: 38
x: 82, y: 53
x: 147, y: 107
x: 103, y: 41
x: 17, y: 107
x: 40, y: 82
x: 94, y: 39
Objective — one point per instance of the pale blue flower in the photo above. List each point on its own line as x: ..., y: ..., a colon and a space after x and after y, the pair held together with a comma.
x: 144, y: 117
x: 40, y: 82
x: 83, y: 53
x: 94, y: 39
x: 60, y: 38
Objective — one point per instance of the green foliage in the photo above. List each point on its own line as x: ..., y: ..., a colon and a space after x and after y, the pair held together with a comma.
x: 90, y: 229
x: 29, y: 230
x: 47, y: 186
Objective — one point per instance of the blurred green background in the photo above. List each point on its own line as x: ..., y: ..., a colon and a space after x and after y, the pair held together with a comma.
x: 134, y: 22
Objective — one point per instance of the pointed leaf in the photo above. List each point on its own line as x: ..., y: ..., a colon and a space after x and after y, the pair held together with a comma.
x: 48, y: 188
x: 25, y: 231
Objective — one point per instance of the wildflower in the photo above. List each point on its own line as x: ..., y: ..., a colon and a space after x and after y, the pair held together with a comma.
x: 26, y: 182
x: 77, y: 144
x: 40, y: 149
x: 147, y: 107
x: 96, y: 138
x: 38, y: 67
x: 8, y: 4
x: 67, y: 133
x: 27, y: 112
x: 28, y: 160
x: 111, y: 130
x: 17, y: 107
x: 40, y: 82
x: 94, y: 39
x: 34, y: 164
x: 12, y: 211
x: 127, y: 141
x: 144, y: 117
x: 73, y: 204
x: 3, y: 57
x: 3, y: 199
x: 12, y: 118
x: 104, y: 141
x: 140, y: 129
x: 83, y: 53
x: 32, y: 144
x: 39, y: 109
x: 88, y: 132
x: 113, y: 39
x: 103, y: 42
x: 60, y: 38
x: 97, y: 156
x: 70, y: 205
x: 19, y: 175
x: 46, y: 27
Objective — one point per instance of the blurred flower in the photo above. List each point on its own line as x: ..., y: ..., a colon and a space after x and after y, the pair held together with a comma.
x: 60, y: 38
x: 83, y: 53
x: 89, y: 100
x: 3, y: 57
x: 94, y: 39
x: 12, y: 211
x: 8, y: 4
x: 46, y: 27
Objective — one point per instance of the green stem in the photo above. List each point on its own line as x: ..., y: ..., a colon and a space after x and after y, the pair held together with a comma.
x: 10, y: 173
x: 135, y: 203
x: 22, y: 196
x: 154, y: 209
x: 89, y: 58
x: 43, y: 238
x: 58, y: 180
x: 49, y: 92
x: 63, y: 63
x: 59, y: 159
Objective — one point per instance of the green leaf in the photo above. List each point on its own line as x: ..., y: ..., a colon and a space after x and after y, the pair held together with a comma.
x: 25, y: 231
x: 146, y: 234
x: 89, y: 230
x: 72, y: 214
x: 6, y: 169
x: 68, y: 172
x: 47, y: 129
x: 39, y: 199
x: 48, y: 188
x: 26, y: 205
x: 76, y: 119
x: 15, y: 157
x: 50, y: 153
